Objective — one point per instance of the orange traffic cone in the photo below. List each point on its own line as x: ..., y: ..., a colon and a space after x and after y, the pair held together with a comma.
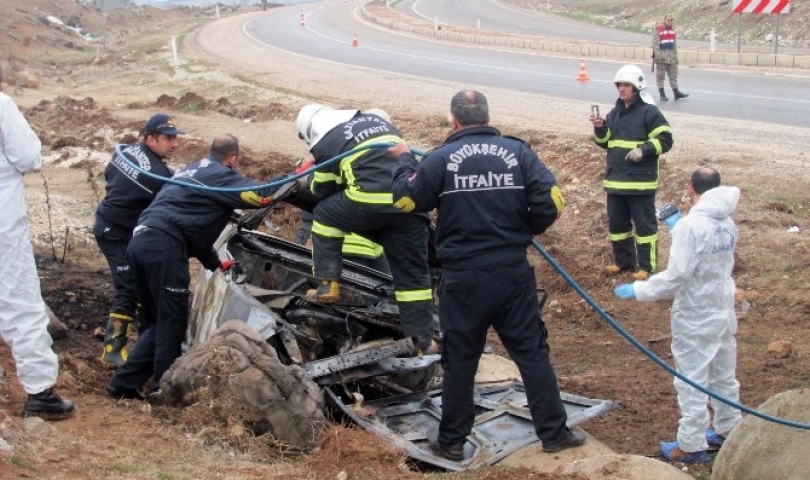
x: 583, y: 72
x: 355, y: 43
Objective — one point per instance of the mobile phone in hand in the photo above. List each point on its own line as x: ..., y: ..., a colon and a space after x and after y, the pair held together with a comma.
x: 595, y: 111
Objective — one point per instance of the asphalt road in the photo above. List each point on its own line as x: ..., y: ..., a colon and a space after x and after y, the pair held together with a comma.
x: 502, y: 16
x: 328, y: 33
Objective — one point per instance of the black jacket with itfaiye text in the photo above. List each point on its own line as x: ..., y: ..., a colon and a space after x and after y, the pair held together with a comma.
x: 364, y: 177
x: 128, y: 191
x: 493, y: 194
x: 197, y: 217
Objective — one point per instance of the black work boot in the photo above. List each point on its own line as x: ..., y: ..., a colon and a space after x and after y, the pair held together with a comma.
x: 48, y: 405
x: 568, y: 440
x: 115, y: 339
x: 124, y: 393
x: 679, y: 94
x: 663, y: 95
x: 454, y: 452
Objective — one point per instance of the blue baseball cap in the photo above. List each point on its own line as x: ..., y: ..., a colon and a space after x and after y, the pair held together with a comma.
x: 161, y: 123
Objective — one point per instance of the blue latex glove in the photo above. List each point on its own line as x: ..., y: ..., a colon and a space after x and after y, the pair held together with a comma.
x: 625, y: 291
x: 672, y: 219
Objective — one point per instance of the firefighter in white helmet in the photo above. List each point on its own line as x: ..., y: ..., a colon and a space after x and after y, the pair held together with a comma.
x: 355, y: 197
x: 635, y: 134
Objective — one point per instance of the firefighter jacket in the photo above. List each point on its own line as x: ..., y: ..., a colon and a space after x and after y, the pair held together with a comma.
x: 640, y: 125
x: 493, y: 194
x: 663, y: 44
x: 129, y: 191
x: 364, y: 177
x: 197, y: 217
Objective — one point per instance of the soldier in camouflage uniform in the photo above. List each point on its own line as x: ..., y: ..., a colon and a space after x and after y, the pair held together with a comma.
x: 665, y: 54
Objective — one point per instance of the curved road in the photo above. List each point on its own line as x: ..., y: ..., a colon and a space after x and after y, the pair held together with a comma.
x: 329, y: 31
x: 503, y: 16
x: 499, y: 16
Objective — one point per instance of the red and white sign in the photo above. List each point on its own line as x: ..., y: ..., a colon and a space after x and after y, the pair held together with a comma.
x: 761, y: 6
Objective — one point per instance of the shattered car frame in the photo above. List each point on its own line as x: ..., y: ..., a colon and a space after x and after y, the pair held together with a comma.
x: 355, y: 349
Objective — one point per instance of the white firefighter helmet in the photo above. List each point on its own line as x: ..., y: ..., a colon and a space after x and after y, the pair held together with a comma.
x: 304, y: 121
x: 379, y: 112
x: 315, y: 120
x: 631, y: 74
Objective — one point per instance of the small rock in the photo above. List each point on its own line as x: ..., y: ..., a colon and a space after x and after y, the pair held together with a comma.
x: 9, y: 435
x: 744, y: 307
x: 781, y: 348
x: 342, y: 475
x: 98, y: 333
x: 36, y: 426
x: 6, y: 450
x: 56, y: 328
x: 53, y: 457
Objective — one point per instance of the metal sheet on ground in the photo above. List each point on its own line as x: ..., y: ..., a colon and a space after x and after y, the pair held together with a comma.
x: 503, y: 424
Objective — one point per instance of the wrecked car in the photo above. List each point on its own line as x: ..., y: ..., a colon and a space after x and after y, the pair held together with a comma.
x: 354, y: 351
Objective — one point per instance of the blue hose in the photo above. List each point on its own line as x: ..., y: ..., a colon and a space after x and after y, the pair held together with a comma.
x: 270, y: 185
x: 596, y: 308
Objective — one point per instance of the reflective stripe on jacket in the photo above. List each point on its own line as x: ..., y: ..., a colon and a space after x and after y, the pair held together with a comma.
x: 640, y: 125
x: 365, y: 176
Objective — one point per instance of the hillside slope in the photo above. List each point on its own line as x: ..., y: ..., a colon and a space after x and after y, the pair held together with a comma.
x: 694, y: 19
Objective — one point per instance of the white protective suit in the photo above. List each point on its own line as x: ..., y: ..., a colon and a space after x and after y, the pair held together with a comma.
x: 23, y: 321
x: 703, y: 320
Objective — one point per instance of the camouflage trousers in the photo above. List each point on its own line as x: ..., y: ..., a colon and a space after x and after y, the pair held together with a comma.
x: 668, y: 65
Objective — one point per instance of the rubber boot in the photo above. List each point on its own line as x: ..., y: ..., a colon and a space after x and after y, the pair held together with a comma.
x: 327, y: 292
x: 614, y: 269
x: 679, y: 94
x: 663, y: 95
x: 115, y: 339
x: 641, y: 275
x: 432, y: 349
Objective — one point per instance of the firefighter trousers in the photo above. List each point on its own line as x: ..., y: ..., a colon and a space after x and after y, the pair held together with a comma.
x: 639, y: 250
x: 504, y: 297
x: 404, y: 238
x: 160, y: 267
x: 113, y: 244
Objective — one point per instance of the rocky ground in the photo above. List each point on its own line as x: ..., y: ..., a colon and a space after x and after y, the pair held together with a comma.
x: 84, y: 96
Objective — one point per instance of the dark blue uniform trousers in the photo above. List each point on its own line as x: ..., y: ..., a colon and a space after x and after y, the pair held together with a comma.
x: 624, y: 212
x: 504, y: 297
x: 159, y: 265
x: 113, y: 244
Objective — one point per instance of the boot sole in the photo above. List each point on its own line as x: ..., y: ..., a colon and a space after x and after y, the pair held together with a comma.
x: 49, y: 415
x: 572, y: 442
x: 323, y: 299
x: 114, y: 362
x: 124, y: 394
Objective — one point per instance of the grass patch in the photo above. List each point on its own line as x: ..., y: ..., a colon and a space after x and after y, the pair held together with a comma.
x: 22, y: 463
x: 117, y: 468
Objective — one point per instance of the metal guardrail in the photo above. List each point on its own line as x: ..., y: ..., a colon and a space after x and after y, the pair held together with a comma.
x: 630, y: 53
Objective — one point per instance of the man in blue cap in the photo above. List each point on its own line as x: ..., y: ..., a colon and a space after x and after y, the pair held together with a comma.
x: 128, y: 193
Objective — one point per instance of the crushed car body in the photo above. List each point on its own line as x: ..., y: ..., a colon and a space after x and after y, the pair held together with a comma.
x: 356, y: 352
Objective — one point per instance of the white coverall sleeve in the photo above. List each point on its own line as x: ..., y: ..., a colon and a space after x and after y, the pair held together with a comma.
x: 683, y: 259
x: 20, y: 144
